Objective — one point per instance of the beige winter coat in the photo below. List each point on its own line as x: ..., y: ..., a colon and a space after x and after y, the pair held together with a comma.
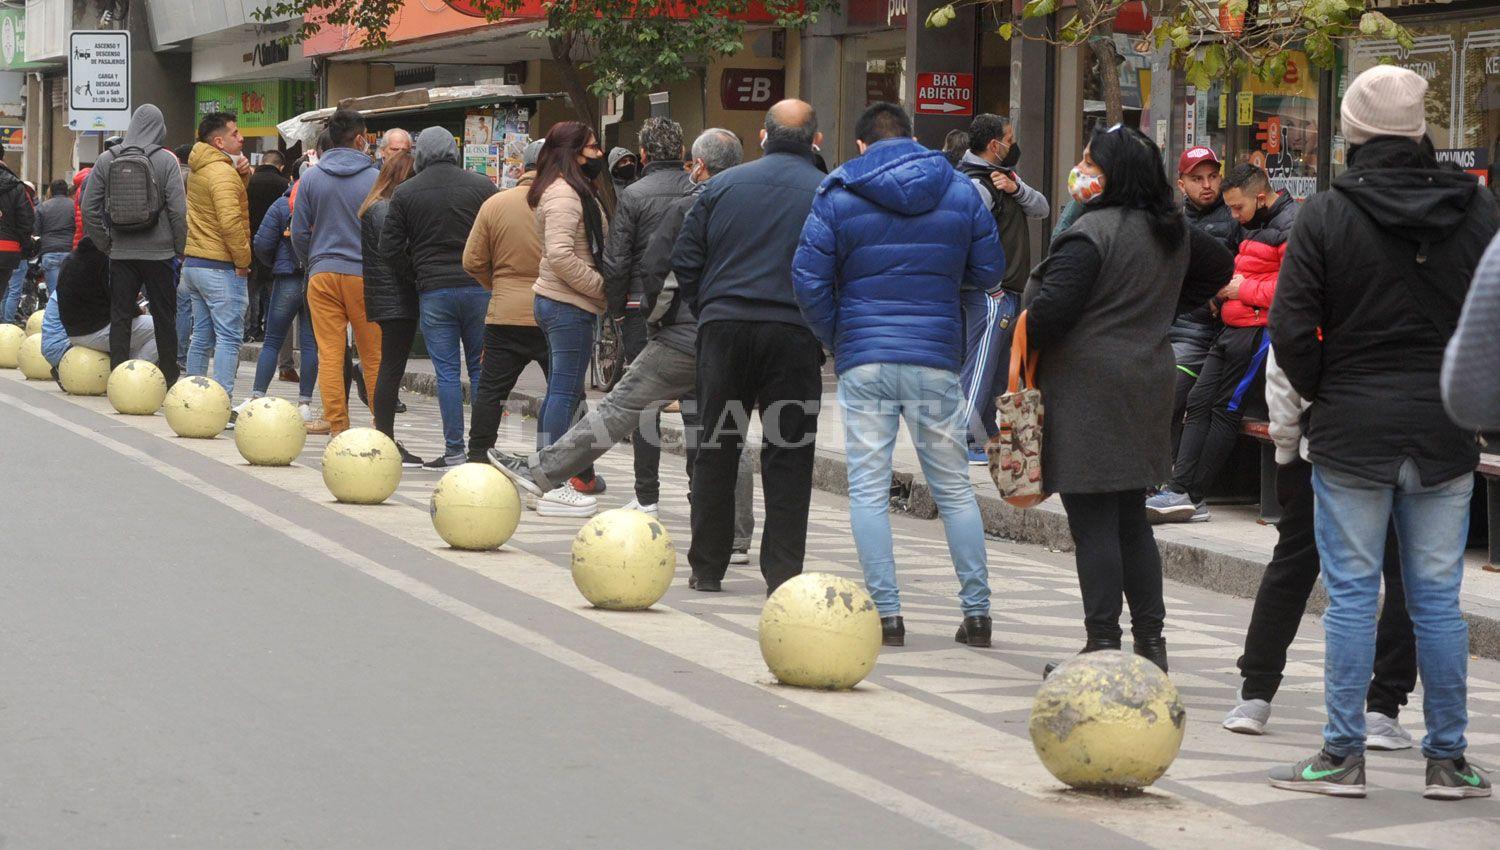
x: 567, y: 271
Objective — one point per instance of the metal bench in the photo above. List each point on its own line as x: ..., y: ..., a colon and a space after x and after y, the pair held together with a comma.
x: 1260, y: 430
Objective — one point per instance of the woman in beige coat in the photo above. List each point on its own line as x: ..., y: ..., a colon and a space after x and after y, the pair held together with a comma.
x: 569, y: 288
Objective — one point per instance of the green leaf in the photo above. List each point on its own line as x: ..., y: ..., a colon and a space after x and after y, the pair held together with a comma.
x: 1369, y: 23
x: 940, y: 16
x: 1006, y: 31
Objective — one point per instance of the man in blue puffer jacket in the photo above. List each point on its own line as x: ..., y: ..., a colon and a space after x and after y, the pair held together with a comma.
x: 893, y: 237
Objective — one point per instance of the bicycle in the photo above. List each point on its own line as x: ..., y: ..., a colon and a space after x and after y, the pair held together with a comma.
x: 608, y: 361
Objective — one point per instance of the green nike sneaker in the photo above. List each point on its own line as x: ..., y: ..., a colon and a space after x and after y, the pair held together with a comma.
x: 1455, y: 779
x: 1319, y: 774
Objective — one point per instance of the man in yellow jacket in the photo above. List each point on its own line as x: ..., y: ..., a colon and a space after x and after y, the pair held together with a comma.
x: 218, y: 247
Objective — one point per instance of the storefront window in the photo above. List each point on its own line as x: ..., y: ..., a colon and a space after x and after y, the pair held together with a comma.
x: 1205, y: 118
x: 1276, y: 125
x: 1461, y: 62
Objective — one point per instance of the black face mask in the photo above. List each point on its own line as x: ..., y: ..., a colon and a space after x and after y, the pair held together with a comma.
x: 1012, y: 156
x: 1261, y: 218
x: 592, y: 167
x: 625, y: 173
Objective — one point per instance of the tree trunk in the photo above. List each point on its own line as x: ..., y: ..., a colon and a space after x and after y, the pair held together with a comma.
x: 1109, y: 76
x: 585, y: 103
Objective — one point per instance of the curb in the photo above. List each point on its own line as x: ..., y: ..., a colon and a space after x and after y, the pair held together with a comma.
x: 1203, y: 566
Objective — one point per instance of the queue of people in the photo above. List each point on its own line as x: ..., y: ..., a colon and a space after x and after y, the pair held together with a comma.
x: 1156, y: 326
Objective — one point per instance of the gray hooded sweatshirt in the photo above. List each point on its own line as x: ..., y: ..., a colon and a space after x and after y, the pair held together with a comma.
x: 168, y: 238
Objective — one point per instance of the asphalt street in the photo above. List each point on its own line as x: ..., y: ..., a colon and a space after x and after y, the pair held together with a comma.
x: 198, y: 653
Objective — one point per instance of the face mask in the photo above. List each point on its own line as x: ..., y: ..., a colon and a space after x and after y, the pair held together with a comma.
x: 592, y: 167
x: 1261, y: 218
x: 624, y: 173
x: 1012, y: 156
x: 1085, y: 188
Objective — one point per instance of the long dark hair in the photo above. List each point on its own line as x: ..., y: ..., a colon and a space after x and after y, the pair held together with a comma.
x: 1134, y: 178
x: 559, y: 161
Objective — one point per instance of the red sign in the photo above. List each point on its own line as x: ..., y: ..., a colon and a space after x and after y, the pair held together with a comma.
x: 943, y: 93
x: 751, y: 88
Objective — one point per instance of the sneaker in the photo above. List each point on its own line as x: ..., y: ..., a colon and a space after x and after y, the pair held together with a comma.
x: 233, y: 415
x: 445, y: 461
x: 242, y: 405
x: 635, y: 505
x: 978, y: 457
x: 1200, y: 513
x: 739, y: 556
x: 516, y: 469
x: 1385, y: 733
x: 319, y: 426
x: 591, y: 488
x: 1168, y: 506
x: 1322, y: 773
x: 306, y: 412
x: 1249, y: 717
x: 408, y: 460
x: 1455, y: 779
x: 566, y: 501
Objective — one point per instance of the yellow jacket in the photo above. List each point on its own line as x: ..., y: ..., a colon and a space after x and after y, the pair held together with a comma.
x: 218, y: 210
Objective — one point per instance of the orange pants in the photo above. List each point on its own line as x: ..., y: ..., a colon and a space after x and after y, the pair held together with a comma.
x: 337, y: 301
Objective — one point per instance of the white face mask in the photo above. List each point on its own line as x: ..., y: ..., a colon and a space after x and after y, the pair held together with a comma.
x: 1085, y: 188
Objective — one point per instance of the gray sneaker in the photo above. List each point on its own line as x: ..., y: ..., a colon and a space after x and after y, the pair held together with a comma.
x: 1319, y: 774
x: 516, y: 469
x: 1385, y: 733
x: 1168, y: 506
x: 1455, y: 779
x: 1249, y: 717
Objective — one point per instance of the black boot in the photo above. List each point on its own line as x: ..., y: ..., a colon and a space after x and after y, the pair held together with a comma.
x: 892, y: 631
x: 974, y: 631
x: 1093, y: 644
x: 1153, y: 649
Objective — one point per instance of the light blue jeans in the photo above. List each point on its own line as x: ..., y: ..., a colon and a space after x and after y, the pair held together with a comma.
x: 453, y: 317
x: 219, y: 297
x: 875, y: 398
x: 1432, y: 525
x: 51, y: 263
x: 15, y: 285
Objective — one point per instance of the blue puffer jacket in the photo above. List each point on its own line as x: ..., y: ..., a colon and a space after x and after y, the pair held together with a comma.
x: 892, y: 238
x: 273, y: 247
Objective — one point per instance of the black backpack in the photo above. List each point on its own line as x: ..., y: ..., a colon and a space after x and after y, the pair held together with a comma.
x: 132, y: 198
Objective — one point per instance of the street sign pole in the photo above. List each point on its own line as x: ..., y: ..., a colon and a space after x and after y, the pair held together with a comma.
x: 98, y: 80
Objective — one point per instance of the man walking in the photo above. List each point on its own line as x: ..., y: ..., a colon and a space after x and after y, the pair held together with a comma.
x: 893, y: 239
x: 638, y: 214
x: 1374, y: 280
x: 326, y: 238
x: 423, y: 241
x: 216, y: 269
x: 732, y: 264
x: 139, y: 185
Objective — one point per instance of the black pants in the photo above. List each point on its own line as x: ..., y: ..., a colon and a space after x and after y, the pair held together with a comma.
x: 126, y: 280
x: 1282, y: 599
x: 1215, y: 407
x: 508, y: 350
x: 396, y: 337
x: 777, y: 369
x: 259, y: 295
x: 647, y: 451
x: 1117, y: 556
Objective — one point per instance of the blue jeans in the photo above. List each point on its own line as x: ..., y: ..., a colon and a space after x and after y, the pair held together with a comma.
x: 1432, y: 526
x: 570, y: 345
x: 988, y: 325
x: 218, y: 297
x: 287, y: 303
x: 13, y: 289
x: 51, y: 263
x: 875, y: 398
x: 452, y: 317
x: 184, y: 320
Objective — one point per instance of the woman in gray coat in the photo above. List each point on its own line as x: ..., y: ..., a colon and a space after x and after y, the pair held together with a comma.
x: 1098, y: 312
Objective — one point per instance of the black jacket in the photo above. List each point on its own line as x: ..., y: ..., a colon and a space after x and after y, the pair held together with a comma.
x: 1015, y: 232
x: 265, y: 186
x: 637, y: 214
x: 55, y: 223
x: 428, y: 224
x: 17, y: 219
x: 1378, y: 267
x: 1210, y: 266
x: 733, y: 259
x: 83, y: 290
x: 1218, y: 220
x: 387, y: 297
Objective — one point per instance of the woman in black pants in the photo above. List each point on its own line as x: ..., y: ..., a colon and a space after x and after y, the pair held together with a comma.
x: 1099, y: 310
x: 389, y: 302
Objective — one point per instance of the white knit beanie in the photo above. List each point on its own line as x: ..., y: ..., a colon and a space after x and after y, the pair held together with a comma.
x: 1384, y: 101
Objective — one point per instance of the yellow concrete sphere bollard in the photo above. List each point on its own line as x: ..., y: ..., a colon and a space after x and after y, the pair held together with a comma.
x: 84, y: 371
x: 361, y: 466
x: 33, y: 365
x: 34, y: 322
x: 475, y: 507
x: 197, y: 407
x: 137, y: 388
x: 270, y: 432
x: 623, y: 560
x: 820, y: 631
x: 1107, y: 720
x: 10, y: 345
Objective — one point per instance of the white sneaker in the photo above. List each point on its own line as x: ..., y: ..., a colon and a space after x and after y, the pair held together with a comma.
x: 1385, y: 733
x: 635, y: 505
x: 565, y: 501
x: 306, y: 412
x: 739, y: 556
x: 239, y: 408
x: 1249, y: 717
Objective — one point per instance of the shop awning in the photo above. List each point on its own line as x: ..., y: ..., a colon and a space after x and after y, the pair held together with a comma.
x: 305, y: 127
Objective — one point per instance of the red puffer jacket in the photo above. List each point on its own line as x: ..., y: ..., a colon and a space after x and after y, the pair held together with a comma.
x: 79, y: 179
x: 1258, y: 263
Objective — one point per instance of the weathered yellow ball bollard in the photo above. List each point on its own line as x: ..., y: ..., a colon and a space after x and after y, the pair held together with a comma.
x: 623, y: 560
x: 10, y: 345
x: 361, y: 467
x: 137, y: 388
x: 475, y: 507
x: 83, y: 371
x: 197, y: 407
x: 34, y: 322
x: 33, y: 365
x: 820, y: 631
x: 269, y: 432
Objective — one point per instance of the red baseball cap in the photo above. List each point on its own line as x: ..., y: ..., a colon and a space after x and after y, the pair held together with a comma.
x: 1193, y: 157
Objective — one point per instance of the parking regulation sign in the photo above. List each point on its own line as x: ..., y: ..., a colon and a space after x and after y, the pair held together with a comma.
x: 98, y: 80
x: 944, y: 93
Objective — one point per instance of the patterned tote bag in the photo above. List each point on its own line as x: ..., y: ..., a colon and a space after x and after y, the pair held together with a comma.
x: 1016, y: 452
